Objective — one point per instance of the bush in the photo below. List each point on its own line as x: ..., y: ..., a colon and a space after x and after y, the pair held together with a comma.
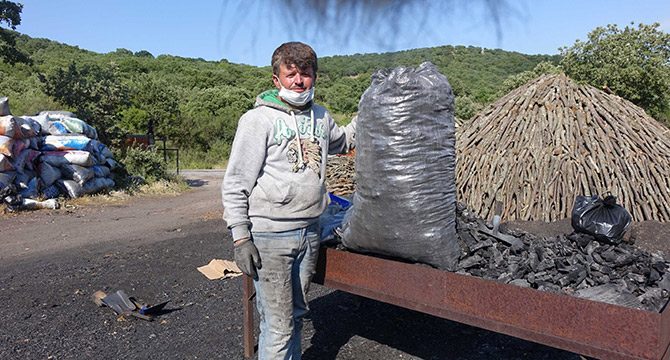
x: 466, y: 107
x: 146, y: 163
x: 214, y: 158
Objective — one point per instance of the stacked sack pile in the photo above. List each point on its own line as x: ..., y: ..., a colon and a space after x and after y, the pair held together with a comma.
x: 51, y: 154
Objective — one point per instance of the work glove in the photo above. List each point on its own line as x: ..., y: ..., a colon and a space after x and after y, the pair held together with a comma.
x: 247, y: 258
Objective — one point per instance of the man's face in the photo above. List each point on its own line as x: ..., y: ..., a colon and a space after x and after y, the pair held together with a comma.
x: 293, y: 78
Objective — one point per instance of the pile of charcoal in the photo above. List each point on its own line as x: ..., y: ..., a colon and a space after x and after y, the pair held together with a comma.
x: 575, y: 264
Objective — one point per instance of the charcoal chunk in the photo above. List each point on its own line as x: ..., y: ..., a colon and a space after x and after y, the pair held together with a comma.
x: 611, y: 294
x: 471, y: 261
x: 574, y: 264
x: 520, y: 282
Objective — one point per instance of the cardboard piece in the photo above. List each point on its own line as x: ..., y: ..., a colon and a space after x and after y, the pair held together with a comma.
x: 220, y: 269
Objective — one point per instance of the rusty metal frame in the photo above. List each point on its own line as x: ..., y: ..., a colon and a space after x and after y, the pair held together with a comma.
x: 582, y: 326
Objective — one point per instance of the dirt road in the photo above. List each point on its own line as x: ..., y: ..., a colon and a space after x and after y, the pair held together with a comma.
x: 136, y: 219
x: 52, y: 261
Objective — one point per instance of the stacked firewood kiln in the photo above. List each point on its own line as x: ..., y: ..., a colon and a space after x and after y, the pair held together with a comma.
x: 552, y: 139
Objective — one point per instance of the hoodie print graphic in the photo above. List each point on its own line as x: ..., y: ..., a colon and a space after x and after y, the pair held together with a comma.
x: 311, y: 154
x: 306, y: 154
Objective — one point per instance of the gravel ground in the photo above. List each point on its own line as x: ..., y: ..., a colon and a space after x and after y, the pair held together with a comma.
x: 46, y: 289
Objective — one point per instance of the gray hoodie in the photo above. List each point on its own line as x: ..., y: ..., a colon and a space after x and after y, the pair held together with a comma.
x: 273, y: 182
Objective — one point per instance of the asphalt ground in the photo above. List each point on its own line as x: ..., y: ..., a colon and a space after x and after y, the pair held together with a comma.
x: 46, y: 309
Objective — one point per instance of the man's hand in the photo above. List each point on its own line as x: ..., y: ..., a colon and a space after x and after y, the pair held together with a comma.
x: 247, y: 258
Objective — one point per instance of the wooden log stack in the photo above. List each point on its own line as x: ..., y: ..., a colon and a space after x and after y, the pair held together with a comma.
x: 340, y: 175
x: 552, y: 139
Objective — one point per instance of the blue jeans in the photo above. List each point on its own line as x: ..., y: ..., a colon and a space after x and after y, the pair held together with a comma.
x: 288, y: 262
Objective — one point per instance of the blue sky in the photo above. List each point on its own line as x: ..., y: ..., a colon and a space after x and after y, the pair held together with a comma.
x: 248, y: 31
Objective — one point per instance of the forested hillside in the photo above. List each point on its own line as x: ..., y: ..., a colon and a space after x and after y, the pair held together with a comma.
x: 195, y: 103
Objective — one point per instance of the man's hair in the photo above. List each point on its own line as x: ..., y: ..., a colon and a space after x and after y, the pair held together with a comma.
x: 300, y: 54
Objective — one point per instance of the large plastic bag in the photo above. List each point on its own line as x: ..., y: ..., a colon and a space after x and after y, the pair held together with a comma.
x: 6, y: 145
x: 25, y: 159
x: 4, y: 106
x: 23, y: 178
x: 19, y: 145
x: 56, y: 114
x: 100, y: 151
x: 112, y: 164
x: 65, y: 142
x: 332, y: 217
x: 63, y: 122
x: 42, y: 120
x: 34, y: 142
x: 601, y: 218
x: 27, y: 128
x: 77, y: 173
x: 77, y: 157
x: 70, y: 187
x: 78, y: 126
x: 29, y: 189
x: 48, y: 173
x: 5, y: 164
x: 6, y: 178
x: 405, y: 202
x: 7, y: 126
x: 75, y: 125
x: 97, y: 184
x: 74, y: 190
x: 100, y: 171
x: 51, y: 192
x: 57, y: 128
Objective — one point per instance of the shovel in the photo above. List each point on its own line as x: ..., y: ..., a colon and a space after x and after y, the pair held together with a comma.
x: 510, y: 240
x: 122, y: 304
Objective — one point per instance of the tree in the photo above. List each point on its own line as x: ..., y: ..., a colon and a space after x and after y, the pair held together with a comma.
x: 10, y: 14
x: 634, y: 63
x: 122, y: 51
x: 514, y: 81
x: 211, y: 115
x: 466, y: 108
x: 159, y: 102
x: 95, y: 94
x: 211, y: 96
x: 144, y: 53
x: 342, y: 95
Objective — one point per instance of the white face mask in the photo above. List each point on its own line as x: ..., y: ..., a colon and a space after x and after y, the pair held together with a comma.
x: 296, y: 98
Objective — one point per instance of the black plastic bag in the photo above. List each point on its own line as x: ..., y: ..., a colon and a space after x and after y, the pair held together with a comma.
x: 601, y: 218
x: 4, y: 106
x: 405, y: 200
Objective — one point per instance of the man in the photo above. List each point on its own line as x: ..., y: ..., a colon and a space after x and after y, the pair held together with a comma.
x: 273, y: 193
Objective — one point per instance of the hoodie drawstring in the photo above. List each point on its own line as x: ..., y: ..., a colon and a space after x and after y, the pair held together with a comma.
x: 313, y: 122
x: 301, y: 161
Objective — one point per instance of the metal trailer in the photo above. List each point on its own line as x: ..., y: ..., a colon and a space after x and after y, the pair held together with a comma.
x: 586, y: 327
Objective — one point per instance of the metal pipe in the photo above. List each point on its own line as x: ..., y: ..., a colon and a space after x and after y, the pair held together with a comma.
x: 248, y: 327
